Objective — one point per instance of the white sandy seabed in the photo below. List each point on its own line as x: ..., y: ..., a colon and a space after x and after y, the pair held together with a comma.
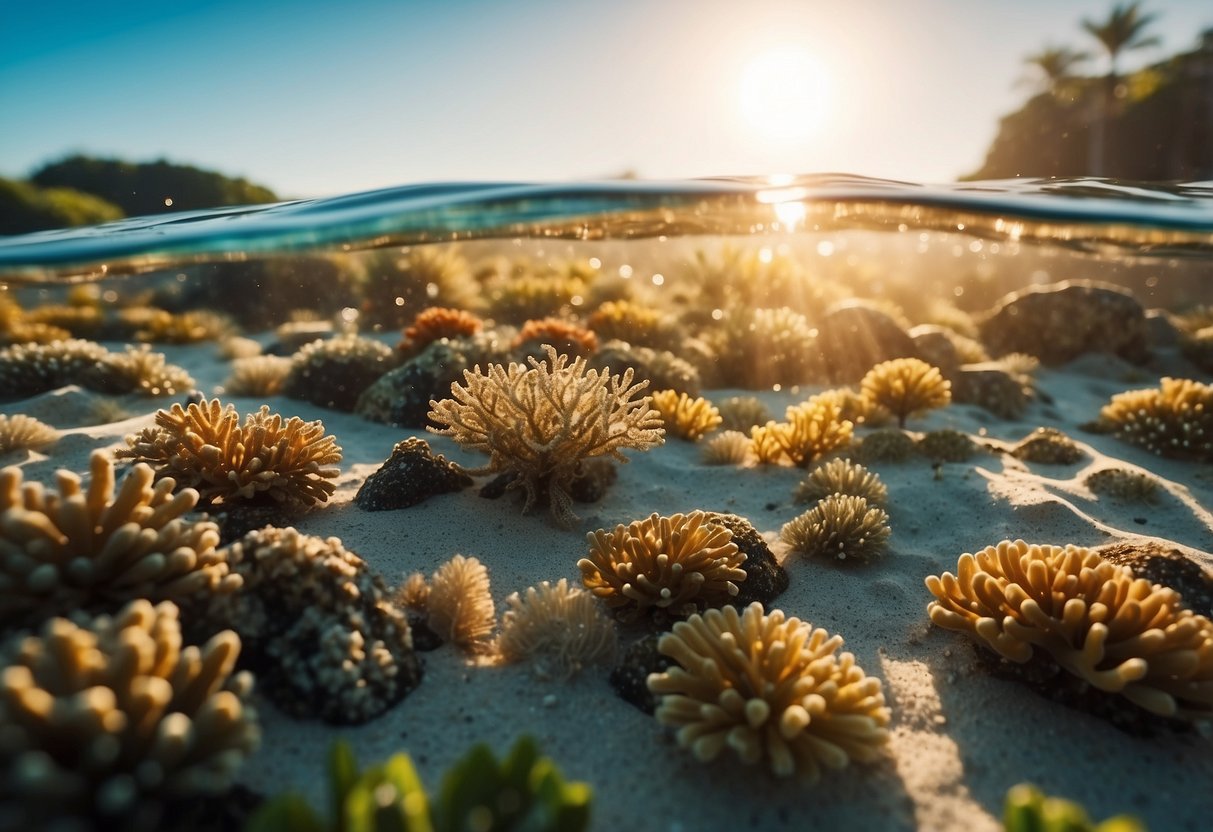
x: 960, y: 737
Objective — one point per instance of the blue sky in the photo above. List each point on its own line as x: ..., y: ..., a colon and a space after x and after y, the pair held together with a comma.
x: 317, y: 98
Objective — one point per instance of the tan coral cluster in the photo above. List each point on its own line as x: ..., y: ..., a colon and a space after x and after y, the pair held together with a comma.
x: 811, y: 430
x: 768, y: 687
x: 1120, y: 634
x: 541, y: 422
x: 435, y: 323
x: 841, y: 476
x: 559, y: 628
x: 21, y: 433
x: 103, y: 723
x: 730, y: 447
x: 205, y: 447
x: 257, y: 375
x: 677, y: 563
x: 459, y: 604
x: 1175, y: 420
x: 94, y: 547
x: 685, y: 416
x: 905, y: 386
x: 839, y: 527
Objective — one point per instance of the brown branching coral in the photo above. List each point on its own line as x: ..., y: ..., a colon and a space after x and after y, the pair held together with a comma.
x: 20, y: 433
x: 559, y: 628
x: 459, y: 605
x: 1175, y: 420
x: 96, y: 548
x: 770, y: 687
x: 841, y: 476
x: 205, y: 447
x: 435, y: 323
x: 905, y: 386
x: 1120, y: 634
x: 540, y: 423
x: 685, y: 417
x: 676, y: 564
x: 320, y: 630
x: 104, y: 723
x: 840, y: 526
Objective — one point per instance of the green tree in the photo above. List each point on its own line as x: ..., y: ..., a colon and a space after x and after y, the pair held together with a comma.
x: 1052, y: 68
x: 1123, y: 30
x: 25, y: 207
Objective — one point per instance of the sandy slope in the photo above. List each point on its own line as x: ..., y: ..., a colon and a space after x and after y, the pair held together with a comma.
x: 960, y: 738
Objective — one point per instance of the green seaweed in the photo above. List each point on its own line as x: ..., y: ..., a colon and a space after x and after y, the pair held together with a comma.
x: 1027, y: 809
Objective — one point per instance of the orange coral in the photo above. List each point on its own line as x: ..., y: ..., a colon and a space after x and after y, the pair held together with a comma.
x: 438, y: 322
x: 567, y: 337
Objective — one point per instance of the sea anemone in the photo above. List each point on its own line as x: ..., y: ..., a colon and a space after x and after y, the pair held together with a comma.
x: 96, y: 549
x: 205, y: 447
x: 729, y: 447
x: 1049, y: 446
x: 678, y: 563
x: 24, y: 433
x: 841, y: 476
x: 1118, y: 633
x: 905, y: 386
x: 104, y: 722
x: 1176, y: 420
x: 841, y: 527
x: 258, y: 375
x: 334, y: 372
x: 559, y: 628
x: 459, y: 605
x: 685, y: 417
x: 540, y: 423
x: 768, y: 686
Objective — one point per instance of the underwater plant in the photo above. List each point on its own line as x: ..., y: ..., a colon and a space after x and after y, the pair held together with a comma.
x: 334, y: 372
x: 459, y: 604
x: 1122, y: 484
x: 96, y: 548
x: 730, y: 447
x: 541, y: 423
x: 1120, y: 634
x: 205, y: 447
x: 841, y: 476
x: 258, y: 375
x: 104, y: 722
x: 557, y: 627
x: 842, y: 527
x: 1027, y: 809
x: 685, y: 417
x: 521, y: 793
x: 905, y: 386
x: 529, y: 296
x: 771, y: 687
x: 677, y: 564
x: 740, y: 413
x: 25, y: 433
x: 1049, y: 446
x: 320, y: 629
x: 853, y: 406
x: 1175, y: 420
x: 662, y: 369
x: 434, y: 323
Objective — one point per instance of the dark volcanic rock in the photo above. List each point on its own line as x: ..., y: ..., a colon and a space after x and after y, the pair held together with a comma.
x: 935, y: 346
x: 1169, y: 566
x: 1060, y: 321
x: 853, y: 338
x: 629, y: 677
x: 411, y: 474
x: 992, y: 388
x: 401, y: 397
x: 765, y: 578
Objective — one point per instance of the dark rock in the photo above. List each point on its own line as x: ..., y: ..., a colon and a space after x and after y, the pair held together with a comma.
x: 662, y: 369
x: 853, y: 338
x: 236, y: 519
x: 412, y: 473
x: 424, y: 639
x: 629, y: 677
x: 1169, y: 566
x: 1162, y: 331
x: 991, y: 388
x: 1061, y: 321
x: 765, y: 578
x: 401, y: 397
x: 936, y: 347
x: 593, y: 479
x: 1198, y: 348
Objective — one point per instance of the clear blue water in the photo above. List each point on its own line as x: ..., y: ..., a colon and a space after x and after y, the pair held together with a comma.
x: 1088, y: 214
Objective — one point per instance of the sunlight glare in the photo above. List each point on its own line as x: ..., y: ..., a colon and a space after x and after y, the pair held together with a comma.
x: 784, y: 93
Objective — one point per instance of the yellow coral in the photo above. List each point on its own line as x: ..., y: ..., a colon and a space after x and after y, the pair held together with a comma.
x: 1175, y: 420
x: 730, y: 447
x: 768, y: 686
x: 684, y: 416
x: 540, y: 423
x: 841, y: 476
x: 813, y: 429
x: 1121, y: 634
x: 840, y: 526
x: 205, y: 447
x: 905, y: 386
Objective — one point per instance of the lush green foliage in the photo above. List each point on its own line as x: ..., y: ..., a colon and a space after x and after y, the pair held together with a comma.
x: 523, y: 792
x: 25, y: 207
x: 1028, y: 810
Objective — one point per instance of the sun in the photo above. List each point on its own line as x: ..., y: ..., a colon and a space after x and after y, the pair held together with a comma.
x: 784, y: 93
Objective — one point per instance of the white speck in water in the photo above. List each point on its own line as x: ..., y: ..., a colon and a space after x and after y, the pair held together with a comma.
x: 658, y: 279
x: 825, y: 248
x: 168, y: 202
x: 595, y: 263
x: 717, y: 314
x: 625, y: 271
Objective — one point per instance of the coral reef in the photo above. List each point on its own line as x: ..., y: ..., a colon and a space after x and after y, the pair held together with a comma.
x: 740, y: 413
x: 1047, y: 445
x: 138, y: 370
x: 813, y: 429
x: 673, y: 565
x: 205, y: 447
x: 237, y: 346
x: 103, y: 723
x: 841, y: 476
x: 401, y: 397
x: 258, y: 375
x: 564, y: 336
x: 27, y: 369
x: 334, y: 373
x: 320, y: 630
x: 412, y: 473
x: 1175, y: 420
x: 887, y: 445
x: 768, y: 687
x: 397, y: 284
x: 761, y: 348
x: 685, y: 417
x: 1118, y: 633
x: 841, y: 527
x: 729, y: 447
x: 540, y: 423
x: 435, y: 323
x: 854, y: 336
x: 1122, y: 484
x: 905, y: 386
x: 560, y: 629
x: 97, y: 548
x: 640, y: 325
x: 459, y: 605
x: 25, y: 433
x: 662, y: 369
x: 947, y: 445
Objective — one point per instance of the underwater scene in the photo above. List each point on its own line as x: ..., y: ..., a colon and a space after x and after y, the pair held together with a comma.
x: 795, y: 503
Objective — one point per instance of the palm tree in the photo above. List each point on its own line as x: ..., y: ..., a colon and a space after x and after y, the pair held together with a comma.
x: 1053, y: 66
x: 1123, y: 30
